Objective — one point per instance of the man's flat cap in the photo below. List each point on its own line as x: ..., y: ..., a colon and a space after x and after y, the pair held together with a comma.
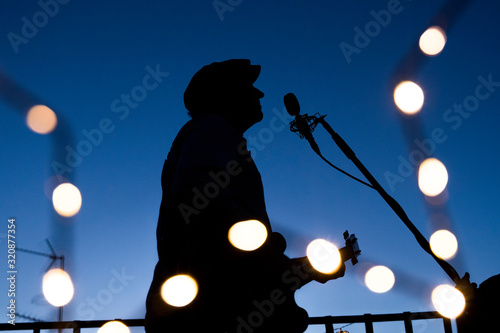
x: 209, y: 83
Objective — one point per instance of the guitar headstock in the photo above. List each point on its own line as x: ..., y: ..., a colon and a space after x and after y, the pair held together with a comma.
x: 351, y: 249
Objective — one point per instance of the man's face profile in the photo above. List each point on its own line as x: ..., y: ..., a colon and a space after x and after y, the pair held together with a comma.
x: 226, y: 88
x: 244, y: 109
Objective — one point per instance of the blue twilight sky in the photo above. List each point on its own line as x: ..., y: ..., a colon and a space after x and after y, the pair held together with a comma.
x: 82, y: 57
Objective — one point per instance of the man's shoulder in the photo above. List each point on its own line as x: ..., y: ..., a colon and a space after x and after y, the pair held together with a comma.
x: 207, y: 132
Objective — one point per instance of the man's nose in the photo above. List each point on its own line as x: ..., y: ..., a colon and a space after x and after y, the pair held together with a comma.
x: 259, y: 93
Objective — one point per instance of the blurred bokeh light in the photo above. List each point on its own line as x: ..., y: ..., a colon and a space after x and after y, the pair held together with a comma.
x: 57, y: 287
x: 432, y: 177
x: 432, y: 41
x: 179, y: 290
x: 114, y: 326
x: 41, y: 119
x: 247, y: 235
x: 67, y: 199
x: 323, y: 256
x: 448, y: 301
x: 409, y: 97
x: 379, y: 279
x: 444, y: 244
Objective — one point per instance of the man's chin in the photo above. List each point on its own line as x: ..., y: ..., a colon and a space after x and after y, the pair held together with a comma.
x: 259, y: 116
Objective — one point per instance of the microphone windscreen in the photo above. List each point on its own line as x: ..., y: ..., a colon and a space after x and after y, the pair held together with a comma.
x: 291, y: 104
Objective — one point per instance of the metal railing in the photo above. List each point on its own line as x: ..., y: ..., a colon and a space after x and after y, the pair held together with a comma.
x: 76, y: 325
x: 327, y: 321
x: 369, y: 319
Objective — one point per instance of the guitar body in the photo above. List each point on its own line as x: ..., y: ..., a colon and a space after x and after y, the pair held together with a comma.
x: 254, y: 294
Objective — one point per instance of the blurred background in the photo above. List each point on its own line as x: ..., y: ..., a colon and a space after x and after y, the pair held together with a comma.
x: 112, y: 74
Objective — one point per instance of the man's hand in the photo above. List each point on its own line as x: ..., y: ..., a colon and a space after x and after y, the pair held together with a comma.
x: 322, y: 278
x: 313, y: 274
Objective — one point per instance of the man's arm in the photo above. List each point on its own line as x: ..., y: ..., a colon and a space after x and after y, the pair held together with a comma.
x: 307, y: 273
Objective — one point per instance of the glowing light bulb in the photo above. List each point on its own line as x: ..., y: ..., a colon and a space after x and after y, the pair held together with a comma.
x: 114, y: 326
x: 323, y: 256
x: 409, y: 97
x: 40, y: 119
x: 57, y: 287
x: 448, y: 301
x: 179, y: 290
x: 67, y: 199
x: 432, y: 177
x: 432, y: 41
x: 379, y: 279
x: 248, y: 235
x: 444, y: 244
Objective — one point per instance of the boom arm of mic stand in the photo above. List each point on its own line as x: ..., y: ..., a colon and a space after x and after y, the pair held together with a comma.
x: 396, y: 207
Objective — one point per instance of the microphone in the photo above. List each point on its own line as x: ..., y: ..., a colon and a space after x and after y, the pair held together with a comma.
x: 291, y: 104
x: 293, y: 108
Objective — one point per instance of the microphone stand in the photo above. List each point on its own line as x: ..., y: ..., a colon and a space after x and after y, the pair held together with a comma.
x: 396, y: 207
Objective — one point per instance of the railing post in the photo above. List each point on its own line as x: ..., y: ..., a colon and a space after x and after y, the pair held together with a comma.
x: 447, y: 325
x: 368, y: 323
x: 407, y: 321
x: 76, y: 326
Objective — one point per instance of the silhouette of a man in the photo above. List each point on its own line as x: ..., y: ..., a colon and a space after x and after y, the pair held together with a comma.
x: 209, y: 183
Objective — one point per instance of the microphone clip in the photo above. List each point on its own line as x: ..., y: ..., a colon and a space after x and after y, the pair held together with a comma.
x: 310, y: 121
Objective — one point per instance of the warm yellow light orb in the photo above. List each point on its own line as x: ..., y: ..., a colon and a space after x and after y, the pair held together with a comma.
x: 323, y: 256
x: 67, y: 199
x: 409, y: 97
x: 57, y: 287
x: 248, y: 235
x: 432, y: 41
x: 432, y: 177
x: 179, y: 290
x: 40, y: 119
x: 448, y: 301
x: 444, y: 244
x: 379, y: 279
x: 114, y: 326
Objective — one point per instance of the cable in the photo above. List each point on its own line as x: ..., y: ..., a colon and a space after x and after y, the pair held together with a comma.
x: 341, y: 328
x: 396, y: 207
x: 311, y: 122
x: 345, y: 173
